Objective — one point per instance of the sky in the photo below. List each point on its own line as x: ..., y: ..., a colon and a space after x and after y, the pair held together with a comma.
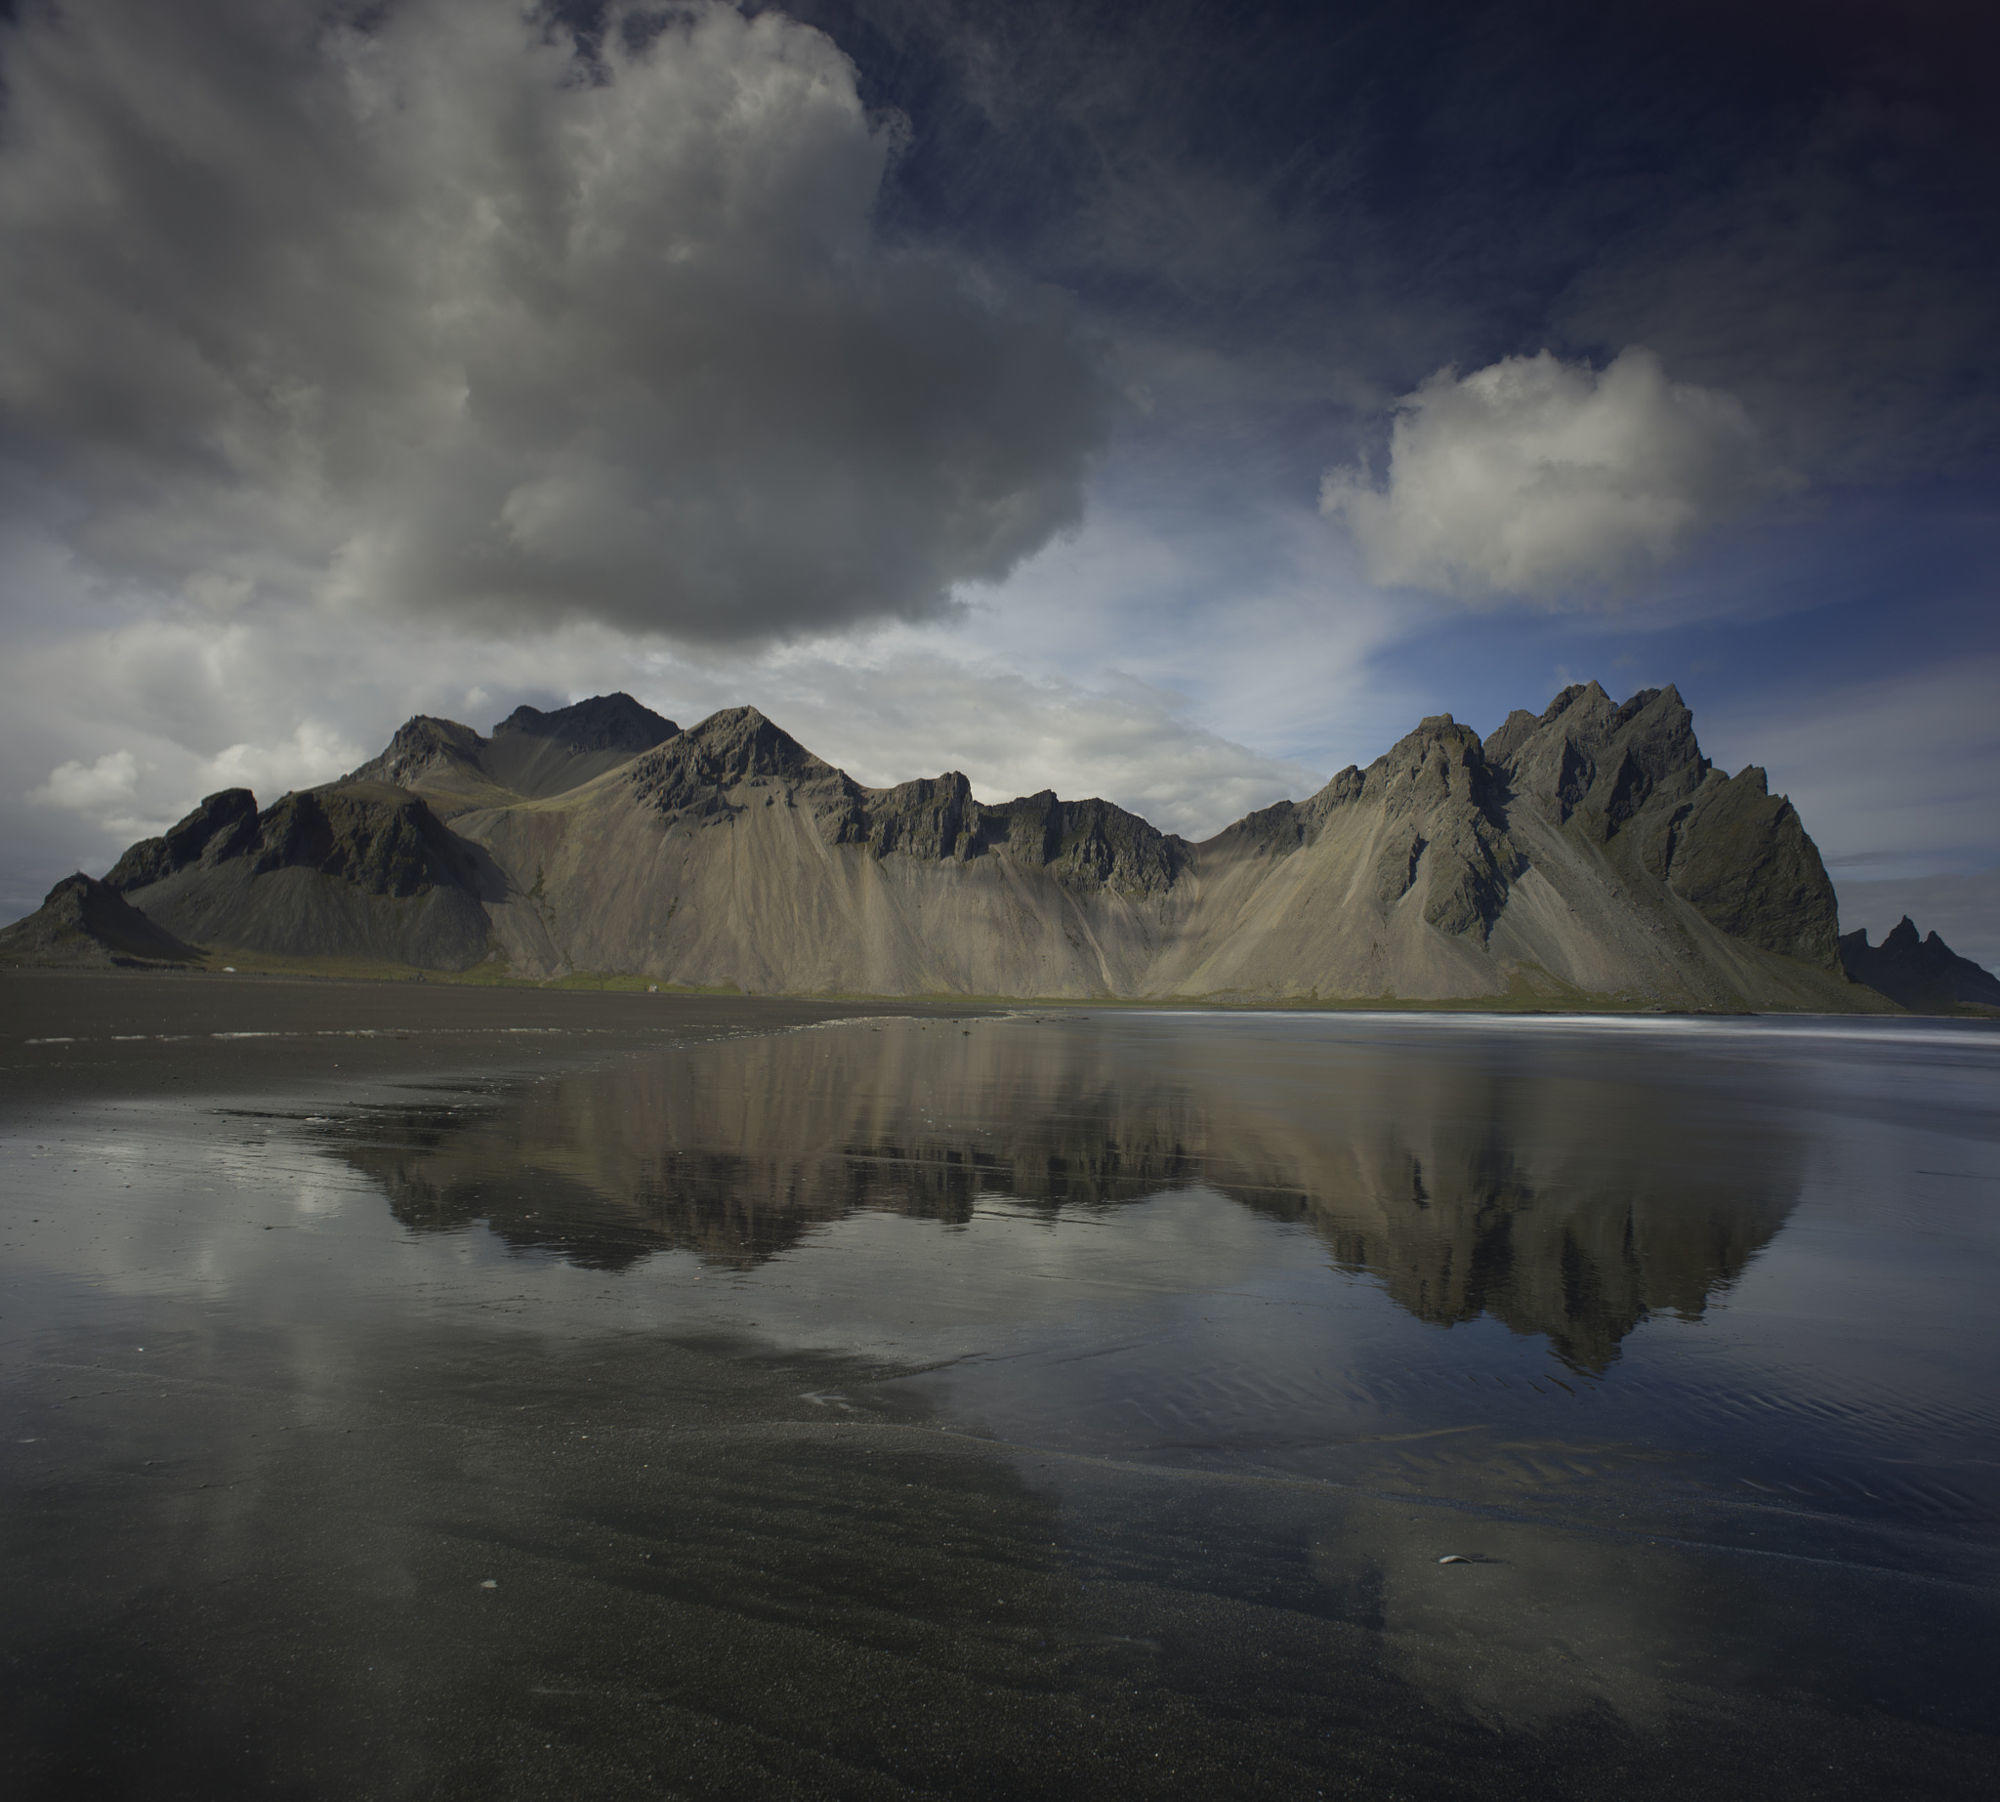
x: 1166, y: 401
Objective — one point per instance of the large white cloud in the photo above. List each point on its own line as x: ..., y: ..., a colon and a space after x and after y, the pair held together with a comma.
x: 1549, y: 480
x: 418, y: 307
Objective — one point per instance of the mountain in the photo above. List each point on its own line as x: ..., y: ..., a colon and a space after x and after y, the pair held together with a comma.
x: 1924, y: 975
x: 1588, y: 851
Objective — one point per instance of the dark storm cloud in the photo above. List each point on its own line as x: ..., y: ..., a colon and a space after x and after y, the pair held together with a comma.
x: 687, y: 319
x: 421, y: 305
x: 1842, y: 282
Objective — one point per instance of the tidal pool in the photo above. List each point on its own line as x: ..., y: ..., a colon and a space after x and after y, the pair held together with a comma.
x: 1122, y: 1404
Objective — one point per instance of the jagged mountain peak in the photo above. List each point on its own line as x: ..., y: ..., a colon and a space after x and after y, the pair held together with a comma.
x: 429, y: 729
x: 613, y: 722
x: 424, y: 746
x: 730, y: 725
x: 1436, y: 742
x: 1582, y: 698
x: 695, y: 769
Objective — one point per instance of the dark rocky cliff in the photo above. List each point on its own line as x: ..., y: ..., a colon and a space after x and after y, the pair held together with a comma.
x: 223, y: 826
x: 1632, y: 779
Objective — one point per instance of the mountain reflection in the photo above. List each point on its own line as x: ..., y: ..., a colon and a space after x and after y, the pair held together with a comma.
x: 1468, y: 1175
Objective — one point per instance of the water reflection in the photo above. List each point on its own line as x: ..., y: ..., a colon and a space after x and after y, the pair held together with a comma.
x: 1468, y: 1177
x: 1044, y: 1410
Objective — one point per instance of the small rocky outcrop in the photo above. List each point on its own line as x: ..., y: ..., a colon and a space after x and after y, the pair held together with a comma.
x: 1923, y: 974
x: 85, y: 922
x: 380, y: 839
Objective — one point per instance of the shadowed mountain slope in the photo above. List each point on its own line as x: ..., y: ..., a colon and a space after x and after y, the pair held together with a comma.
x: 1591, y: 850
x: 358, y: 869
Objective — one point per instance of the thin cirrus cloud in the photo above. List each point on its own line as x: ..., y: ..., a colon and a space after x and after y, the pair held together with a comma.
x: 430, y: 309
x: 1550, y: 481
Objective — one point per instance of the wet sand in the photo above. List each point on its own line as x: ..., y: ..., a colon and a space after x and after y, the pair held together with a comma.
x: 462, y: 1393
x: 69, y: 1037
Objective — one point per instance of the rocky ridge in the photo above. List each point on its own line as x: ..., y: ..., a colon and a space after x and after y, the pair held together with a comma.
x: 1590, y: 850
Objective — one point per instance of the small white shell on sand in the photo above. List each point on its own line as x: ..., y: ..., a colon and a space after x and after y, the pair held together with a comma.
x: 1454, y: 1558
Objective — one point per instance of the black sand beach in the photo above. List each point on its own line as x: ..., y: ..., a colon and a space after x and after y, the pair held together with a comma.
x: 452, y: 1393
x: 77, y: 1036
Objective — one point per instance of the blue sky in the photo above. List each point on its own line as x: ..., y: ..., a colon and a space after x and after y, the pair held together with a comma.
x: 1167, y: 401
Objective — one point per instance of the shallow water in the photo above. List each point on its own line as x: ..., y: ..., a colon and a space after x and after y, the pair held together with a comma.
x: 1065, y: 1406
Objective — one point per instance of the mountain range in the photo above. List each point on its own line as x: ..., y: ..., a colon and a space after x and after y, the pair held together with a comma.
x: 1590, y: 851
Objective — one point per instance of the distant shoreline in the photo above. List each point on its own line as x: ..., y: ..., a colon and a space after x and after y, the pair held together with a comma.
x: 80, y: 1036
x: 71, y: 1036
